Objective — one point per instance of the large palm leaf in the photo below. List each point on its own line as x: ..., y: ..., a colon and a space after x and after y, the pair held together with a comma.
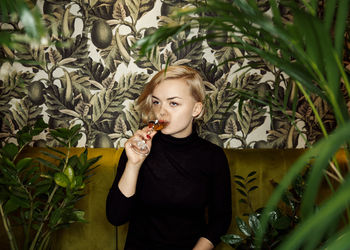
x: 309, y: 49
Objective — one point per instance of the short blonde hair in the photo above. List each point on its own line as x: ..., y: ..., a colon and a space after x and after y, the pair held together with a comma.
x: 189, y: 75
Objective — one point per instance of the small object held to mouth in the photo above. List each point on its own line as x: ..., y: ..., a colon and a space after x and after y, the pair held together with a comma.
x: 157, y: 124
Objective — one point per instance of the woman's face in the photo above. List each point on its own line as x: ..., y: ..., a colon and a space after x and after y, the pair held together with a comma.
x: 173, y: 102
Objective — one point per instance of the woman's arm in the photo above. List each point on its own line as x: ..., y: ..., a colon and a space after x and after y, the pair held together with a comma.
x: 219, y: 204
x: 120, y: 199
x: 203, y: 244
x: 127, y: 183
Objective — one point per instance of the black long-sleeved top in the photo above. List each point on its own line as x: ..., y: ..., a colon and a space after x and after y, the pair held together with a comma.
x: 180, y: 181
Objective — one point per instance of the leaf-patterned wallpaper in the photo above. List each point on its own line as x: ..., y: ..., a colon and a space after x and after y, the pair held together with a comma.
x: 91, y: 75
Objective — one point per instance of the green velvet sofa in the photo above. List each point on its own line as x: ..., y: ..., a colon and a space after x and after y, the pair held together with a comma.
x: 270, y: 164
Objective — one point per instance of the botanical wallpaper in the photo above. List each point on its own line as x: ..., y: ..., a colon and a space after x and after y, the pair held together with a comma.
x: 91, y: 75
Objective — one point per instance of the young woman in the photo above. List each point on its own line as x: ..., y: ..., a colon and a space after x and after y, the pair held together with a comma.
x: 178, y: 196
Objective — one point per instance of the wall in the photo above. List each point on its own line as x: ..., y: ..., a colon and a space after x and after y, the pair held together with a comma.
x: 91, y: 75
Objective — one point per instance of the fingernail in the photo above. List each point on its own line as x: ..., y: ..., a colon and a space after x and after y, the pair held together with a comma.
x: 148, y: 137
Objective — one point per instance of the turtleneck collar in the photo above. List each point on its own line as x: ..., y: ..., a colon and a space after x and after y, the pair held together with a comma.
x: 168, y: 139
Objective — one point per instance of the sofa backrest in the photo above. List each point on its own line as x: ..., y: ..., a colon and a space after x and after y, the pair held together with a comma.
x: 270, y: 164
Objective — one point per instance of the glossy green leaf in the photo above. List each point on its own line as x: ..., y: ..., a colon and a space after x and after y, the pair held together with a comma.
x: 69, y: 172
x: 56, y: 217
x: 43, y: 189
x: 232, y: 239
x: 61, y: 180
x: 10, y: 150
x: 79, y: 215
x: 23, y: 164
x: 10, y: 163
x: 48, y: 164
x: 11, y: 205
x: 273, y: 217
x: 14, y: 203
x: 243, y: 227
x: 254, y: 223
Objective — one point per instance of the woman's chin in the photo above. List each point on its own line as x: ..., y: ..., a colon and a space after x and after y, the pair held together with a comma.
x: 165, y: 131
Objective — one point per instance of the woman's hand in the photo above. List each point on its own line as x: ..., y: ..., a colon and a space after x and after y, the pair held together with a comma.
x: 146, y: 134
x: 127, y: 183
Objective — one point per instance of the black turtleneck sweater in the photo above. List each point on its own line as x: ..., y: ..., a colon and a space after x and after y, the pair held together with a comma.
x: 183, y: 193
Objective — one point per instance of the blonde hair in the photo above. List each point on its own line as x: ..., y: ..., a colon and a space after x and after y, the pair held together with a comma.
x: 189, y: 75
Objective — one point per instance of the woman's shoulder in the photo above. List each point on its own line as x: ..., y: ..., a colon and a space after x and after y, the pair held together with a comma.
x: 209, y: 146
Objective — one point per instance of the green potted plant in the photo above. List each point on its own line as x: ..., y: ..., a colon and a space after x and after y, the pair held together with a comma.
x: 309, y: 48
x: 282, y: 219
x: 38, y: 196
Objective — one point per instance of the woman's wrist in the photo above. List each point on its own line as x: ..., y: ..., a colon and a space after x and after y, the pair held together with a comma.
x: 127, y: 183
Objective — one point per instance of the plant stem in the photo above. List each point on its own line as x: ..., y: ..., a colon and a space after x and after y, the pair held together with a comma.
x: 45, y: 241
x: 7, y: 227
x: 32, y: 246
x: 48, y: 206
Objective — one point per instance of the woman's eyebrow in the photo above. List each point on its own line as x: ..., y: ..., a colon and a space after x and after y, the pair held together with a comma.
x: 169, y: 98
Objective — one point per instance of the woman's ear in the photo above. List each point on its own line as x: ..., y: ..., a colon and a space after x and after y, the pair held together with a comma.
x: 197, y: 109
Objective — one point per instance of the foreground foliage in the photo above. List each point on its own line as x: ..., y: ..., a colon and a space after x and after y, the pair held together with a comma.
x: 39, y: 195
x: 309, y: 48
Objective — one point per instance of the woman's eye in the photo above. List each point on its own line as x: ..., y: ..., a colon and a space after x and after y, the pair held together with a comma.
x: 155, y: 102
x: 174, y: 104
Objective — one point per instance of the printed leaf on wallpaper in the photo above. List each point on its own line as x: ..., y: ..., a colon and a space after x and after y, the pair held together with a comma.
x: 101, y: 9
x: 251, y: 118
x: 77, y: 48
x: 25, y: 113
x: 55, y: 101
x: 108, y: 109
x: 97, y: 73
x: 119, y: 12
x: 138, y: 8
x: 307, y: 116
x: 151, y: 63
x: 121, y: 131
x: 284, y: 136
x: 191, y: 54
x: 67, y: 23
x: 211, y: 74
x: 30, y: 56
x: 232, y: 134
x: 218, y: 98
x: 14, y: 85
x: 120, y: 127
x: 112, y: 56
x: 225, y: 55
x: 54, y: 57
x: 217, y: 104
x: 80, y: 84
x: 24, y: 110
x: 132, y: 84
x: 108, y: 104
x: 132, y: 118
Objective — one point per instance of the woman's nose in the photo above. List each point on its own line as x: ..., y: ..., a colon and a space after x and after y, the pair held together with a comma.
x: 162, y: 111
